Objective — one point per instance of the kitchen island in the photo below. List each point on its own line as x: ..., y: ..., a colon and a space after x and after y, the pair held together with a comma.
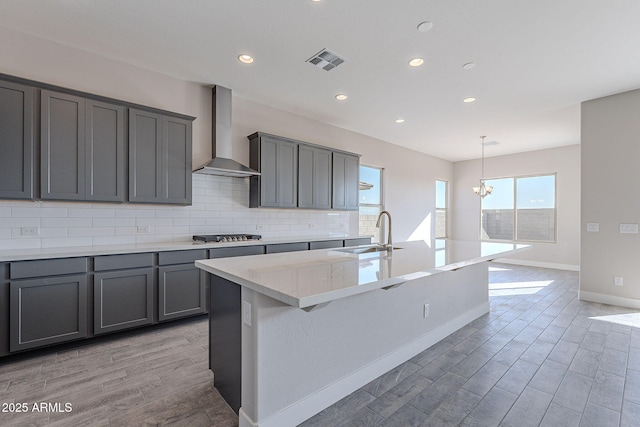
x: 291, y: 334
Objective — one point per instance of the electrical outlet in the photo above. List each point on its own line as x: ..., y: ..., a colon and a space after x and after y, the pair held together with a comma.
x: 618, y: 281
x: 593, y: 227
x: 629, y: 228
x: 144, y: 229
x: 425, y: 311
x: 260, y: 227
x: 29, y: 231
x: 246, y: 313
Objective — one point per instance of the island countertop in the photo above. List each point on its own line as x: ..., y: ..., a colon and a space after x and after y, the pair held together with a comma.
x: 306, y: 279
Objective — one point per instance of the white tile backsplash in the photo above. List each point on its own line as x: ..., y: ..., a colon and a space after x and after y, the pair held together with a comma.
x: 220, y: 205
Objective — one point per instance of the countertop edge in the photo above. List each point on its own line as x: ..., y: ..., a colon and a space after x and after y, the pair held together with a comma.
x: 326, y: 297
x: 9, y: 255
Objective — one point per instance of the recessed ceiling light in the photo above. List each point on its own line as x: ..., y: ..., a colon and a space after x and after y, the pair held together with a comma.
x: 341, y: 97
x: 245, y: 59
x: 416, y: 62
x: 469, y: 99
x: 399, y: 121
x: 425, y: 26
x: 469, y: 65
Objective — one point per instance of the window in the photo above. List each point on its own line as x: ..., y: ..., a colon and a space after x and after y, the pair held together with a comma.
x: 441, y: 209
x: 520, y: 209
x: 370, y: 199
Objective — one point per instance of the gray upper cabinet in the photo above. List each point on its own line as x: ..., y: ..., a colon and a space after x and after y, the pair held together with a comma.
x: 16, y: 141
x: 145, y: 156
x: 105, y: 173
x: 314, y: 177
x: 82, y: 149
x: 346, y: 173
x: 277, y: 161
x: 296, y: 174
x: 177, y: 176
x: 159, y: 158
x: 62, y: 147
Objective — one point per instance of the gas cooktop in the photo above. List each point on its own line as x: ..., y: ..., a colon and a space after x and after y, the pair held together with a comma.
x: 214, y: 238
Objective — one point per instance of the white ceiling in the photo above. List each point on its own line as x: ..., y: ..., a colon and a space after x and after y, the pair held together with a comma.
x: 536, y: 59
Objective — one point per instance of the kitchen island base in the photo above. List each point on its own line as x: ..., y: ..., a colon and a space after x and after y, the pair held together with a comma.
x: 295, y: 363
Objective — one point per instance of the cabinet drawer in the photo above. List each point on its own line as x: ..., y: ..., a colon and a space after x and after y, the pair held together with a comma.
x: 181, y: 257
x: 358, y: 241
x: 117, y: 262
x: 326, y: 244
x: 47, y: 267
x: 237, y: 251
x: 287, y: 247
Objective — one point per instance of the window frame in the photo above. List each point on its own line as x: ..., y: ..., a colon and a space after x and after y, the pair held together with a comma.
x: 380, y: 231
x: 515, y: 210
x: 445, y: 209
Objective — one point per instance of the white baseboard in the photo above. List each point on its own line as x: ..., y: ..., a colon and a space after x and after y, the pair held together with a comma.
x: 555, y: 266
x: 610, y: 299
x: 314, y: 403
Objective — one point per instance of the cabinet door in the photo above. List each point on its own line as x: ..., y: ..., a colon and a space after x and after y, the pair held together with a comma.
x: 278, y: 168
x: 145, y: 156
x: 181, y: 291
x: 345, y: 181
x: 4, y: 310
x: 122, y: 299
x: 47, y: 311
x: 314, y: 178
x: 287, y: 167
x: 176, y: 180
x: 62, y: 166
x: 16, y: 141
x: 105, y: 172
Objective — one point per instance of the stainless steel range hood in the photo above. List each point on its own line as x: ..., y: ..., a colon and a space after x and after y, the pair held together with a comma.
x: 221, y: 151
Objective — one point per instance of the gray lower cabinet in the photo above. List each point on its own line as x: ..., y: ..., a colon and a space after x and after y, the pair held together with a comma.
x: 277, y: 160
x: 326, y: 244
x: 46, y: 311
x: 122, y: 299
x: 346, y: 175
x: 357, y: 241
x: 47, y: 302
x: 314, y: 177
x: 4, y: 309
x: 181, y: 287
x: 123, y: 291
x: 16, y: 141
x: 159, y: 158
x: 287, y: 247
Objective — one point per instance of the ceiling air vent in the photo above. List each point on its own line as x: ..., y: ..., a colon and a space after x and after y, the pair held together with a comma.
x: 326, y: 60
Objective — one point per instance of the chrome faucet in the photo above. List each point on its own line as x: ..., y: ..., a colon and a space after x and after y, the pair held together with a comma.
x: 389, y: 243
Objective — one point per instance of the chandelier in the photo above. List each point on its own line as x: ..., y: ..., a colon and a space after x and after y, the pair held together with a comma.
x: 483, y: 189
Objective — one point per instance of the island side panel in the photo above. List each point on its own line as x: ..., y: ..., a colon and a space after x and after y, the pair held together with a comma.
x: 225, y: 342
x: 296, y: 363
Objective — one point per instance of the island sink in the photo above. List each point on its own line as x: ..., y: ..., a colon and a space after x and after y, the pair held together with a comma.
x: 369, y: 249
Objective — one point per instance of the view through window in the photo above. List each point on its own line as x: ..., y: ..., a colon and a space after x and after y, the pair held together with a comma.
x: 441, y: 209
x: 520, y: 209
x: 370, y: 201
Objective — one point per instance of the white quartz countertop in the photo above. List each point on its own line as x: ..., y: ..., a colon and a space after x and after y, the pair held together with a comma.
x: 306, y: 279
x: 78, y: 251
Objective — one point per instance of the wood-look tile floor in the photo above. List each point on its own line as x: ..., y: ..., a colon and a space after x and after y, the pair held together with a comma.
x: 540, y: 357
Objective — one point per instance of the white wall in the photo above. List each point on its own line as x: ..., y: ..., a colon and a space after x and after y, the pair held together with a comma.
x: 409, y: 178
x: 610, y: 197
x: 565, y: 161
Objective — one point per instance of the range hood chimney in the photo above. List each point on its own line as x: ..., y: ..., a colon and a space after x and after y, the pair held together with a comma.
x: 221, y: 150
